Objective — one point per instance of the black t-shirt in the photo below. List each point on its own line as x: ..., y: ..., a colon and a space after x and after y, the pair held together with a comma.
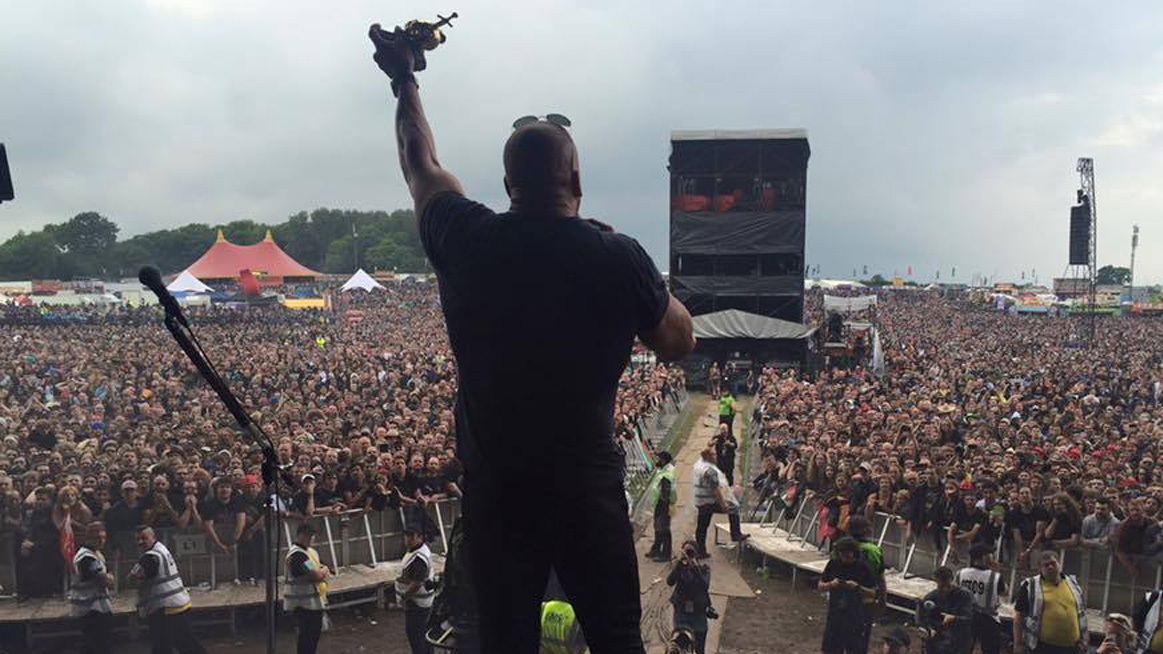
x: 1027, y: 523
x: 122, y: 517
x: 298, y: 564
x: 213, y: 509
x: 541, y: 315
x: 967, y: 518
x: 844, y: 599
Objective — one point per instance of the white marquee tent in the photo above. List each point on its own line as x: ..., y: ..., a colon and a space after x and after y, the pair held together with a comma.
x: 188, y: 283
x: 361, y: 280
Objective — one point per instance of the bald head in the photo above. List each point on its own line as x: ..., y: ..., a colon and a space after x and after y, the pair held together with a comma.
x: 541, y: 168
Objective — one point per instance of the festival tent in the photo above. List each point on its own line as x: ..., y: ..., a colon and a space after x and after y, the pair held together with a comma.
x: 362, y: 281
x: 225, y: 260
x: 187, y: 283
x: 734, y: 335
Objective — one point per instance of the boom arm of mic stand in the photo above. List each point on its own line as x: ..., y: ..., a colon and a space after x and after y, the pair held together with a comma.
x: 270, y: 467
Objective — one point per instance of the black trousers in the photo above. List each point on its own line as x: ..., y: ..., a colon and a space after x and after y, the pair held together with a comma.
x: 96, y: 633
x: 170, y: 632
x: 704, y: 522
x: 415, y: 621
x: 987, y: 631
x: 663, y: 541
x: 251, y: 557
x: 310, y: 625
x: 583, y: 533
x: 727, y: 465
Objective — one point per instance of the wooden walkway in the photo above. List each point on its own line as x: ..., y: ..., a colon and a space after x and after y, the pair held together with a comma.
x: 48, y: 619
x: 903, y: 592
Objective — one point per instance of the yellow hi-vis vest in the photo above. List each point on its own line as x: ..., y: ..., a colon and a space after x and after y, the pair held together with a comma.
x: 91, y: 595
x: 301, y: 592
x: 165, y: 590
x: 560, y: 632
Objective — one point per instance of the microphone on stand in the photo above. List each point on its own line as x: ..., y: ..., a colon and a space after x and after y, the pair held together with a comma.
x: 151, y: 278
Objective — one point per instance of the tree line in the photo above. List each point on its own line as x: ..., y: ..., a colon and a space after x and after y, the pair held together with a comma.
x: 328, y: 240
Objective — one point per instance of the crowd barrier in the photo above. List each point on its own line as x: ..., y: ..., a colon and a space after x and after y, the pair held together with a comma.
x: 650, y: 437
x: 1109, y: 587
x: 343, y: 540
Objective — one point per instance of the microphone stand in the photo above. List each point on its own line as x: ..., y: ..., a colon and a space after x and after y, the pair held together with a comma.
x: 270, y: 467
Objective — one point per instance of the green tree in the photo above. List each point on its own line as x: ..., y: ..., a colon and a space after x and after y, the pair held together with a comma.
x: 85, y: 233
x: 35, y: 255
x: 877, y: 280
x: 1113, y: 275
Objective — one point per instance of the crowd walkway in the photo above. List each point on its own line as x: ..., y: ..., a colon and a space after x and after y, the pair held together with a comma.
x: 725, y: 578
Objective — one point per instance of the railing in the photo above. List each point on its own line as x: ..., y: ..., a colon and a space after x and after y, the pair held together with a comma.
x: 651, y: 433
x: 345, y: 540
x: 1108, y: 585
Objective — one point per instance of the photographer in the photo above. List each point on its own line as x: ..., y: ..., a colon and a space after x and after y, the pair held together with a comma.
x: 691, y: 597
x: 945, y: 615
x: 848, y: 581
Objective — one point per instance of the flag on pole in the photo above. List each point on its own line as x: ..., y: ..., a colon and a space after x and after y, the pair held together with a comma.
x: 910, y: 271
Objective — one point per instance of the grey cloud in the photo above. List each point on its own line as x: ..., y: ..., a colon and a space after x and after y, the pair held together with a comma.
x: 942, y: 134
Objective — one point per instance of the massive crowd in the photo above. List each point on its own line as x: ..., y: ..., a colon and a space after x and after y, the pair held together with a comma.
x: 103, y: 418
x: 986, y: 428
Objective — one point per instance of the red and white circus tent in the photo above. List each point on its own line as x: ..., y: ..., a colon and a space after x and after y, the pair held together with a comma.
x: 265, y: 259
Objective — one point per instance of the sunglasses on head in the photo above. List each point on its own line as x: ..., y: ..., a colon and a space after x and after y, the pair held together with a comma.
x: 555, y: 119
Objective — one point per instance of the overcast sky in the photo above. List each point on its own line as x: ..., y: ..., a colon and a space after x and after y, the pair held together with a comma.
x: 943, y: 134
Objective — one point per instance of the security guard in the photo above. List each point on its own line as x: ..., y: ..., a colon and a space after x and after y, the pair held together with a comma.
x: 1049, y: 610
x: 986, y: 586
x: 90, y: 592
x: 663, y: 497
x: 560, y: 631
x: 306, y: 591
x: 162, y: 597
x: 415, y: 587
x: 727, y: 412
x: 1149, y: 625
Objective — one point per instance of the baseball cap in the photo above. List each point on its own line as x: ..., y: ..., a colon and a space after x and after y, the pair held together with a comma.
x: 128, y: 483
x: 1122, y: 621
x: 978, y: 550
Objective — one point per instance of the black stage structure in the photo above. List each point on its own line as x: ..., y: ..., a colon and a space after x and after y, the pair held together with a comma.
x: 737, y: 233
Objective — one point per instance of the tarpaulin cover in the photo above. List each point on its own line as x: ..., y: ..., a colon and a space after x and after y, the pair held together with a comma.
x: 754, y: 286
x: 737, y: 232
x: 733, y: 323
x: 848, y: 304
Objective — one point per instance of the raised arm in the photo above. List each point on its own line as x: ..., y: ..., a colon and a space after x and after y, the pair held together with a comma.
x: 417, y: 148
x: 674, y: 336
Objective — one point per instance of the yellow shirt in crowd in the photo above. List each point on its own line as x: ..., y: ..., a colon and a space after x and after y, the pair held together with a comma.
x: 1059, y: 615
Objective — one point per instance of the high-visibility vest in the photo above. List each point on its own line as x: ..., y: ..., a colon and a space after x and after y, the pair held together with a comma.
x: 301, y: 592
x: 982, y: 585
x: 560, y: 629
x: 89, y: 595
x: 165, y: 590
x: 725, y: 405
x: 422, y: 597
x: 666, y: 473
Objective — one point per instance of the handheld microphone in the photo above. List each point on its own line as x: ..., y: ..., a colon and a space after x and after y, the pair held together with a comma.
x: 151, y: 278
